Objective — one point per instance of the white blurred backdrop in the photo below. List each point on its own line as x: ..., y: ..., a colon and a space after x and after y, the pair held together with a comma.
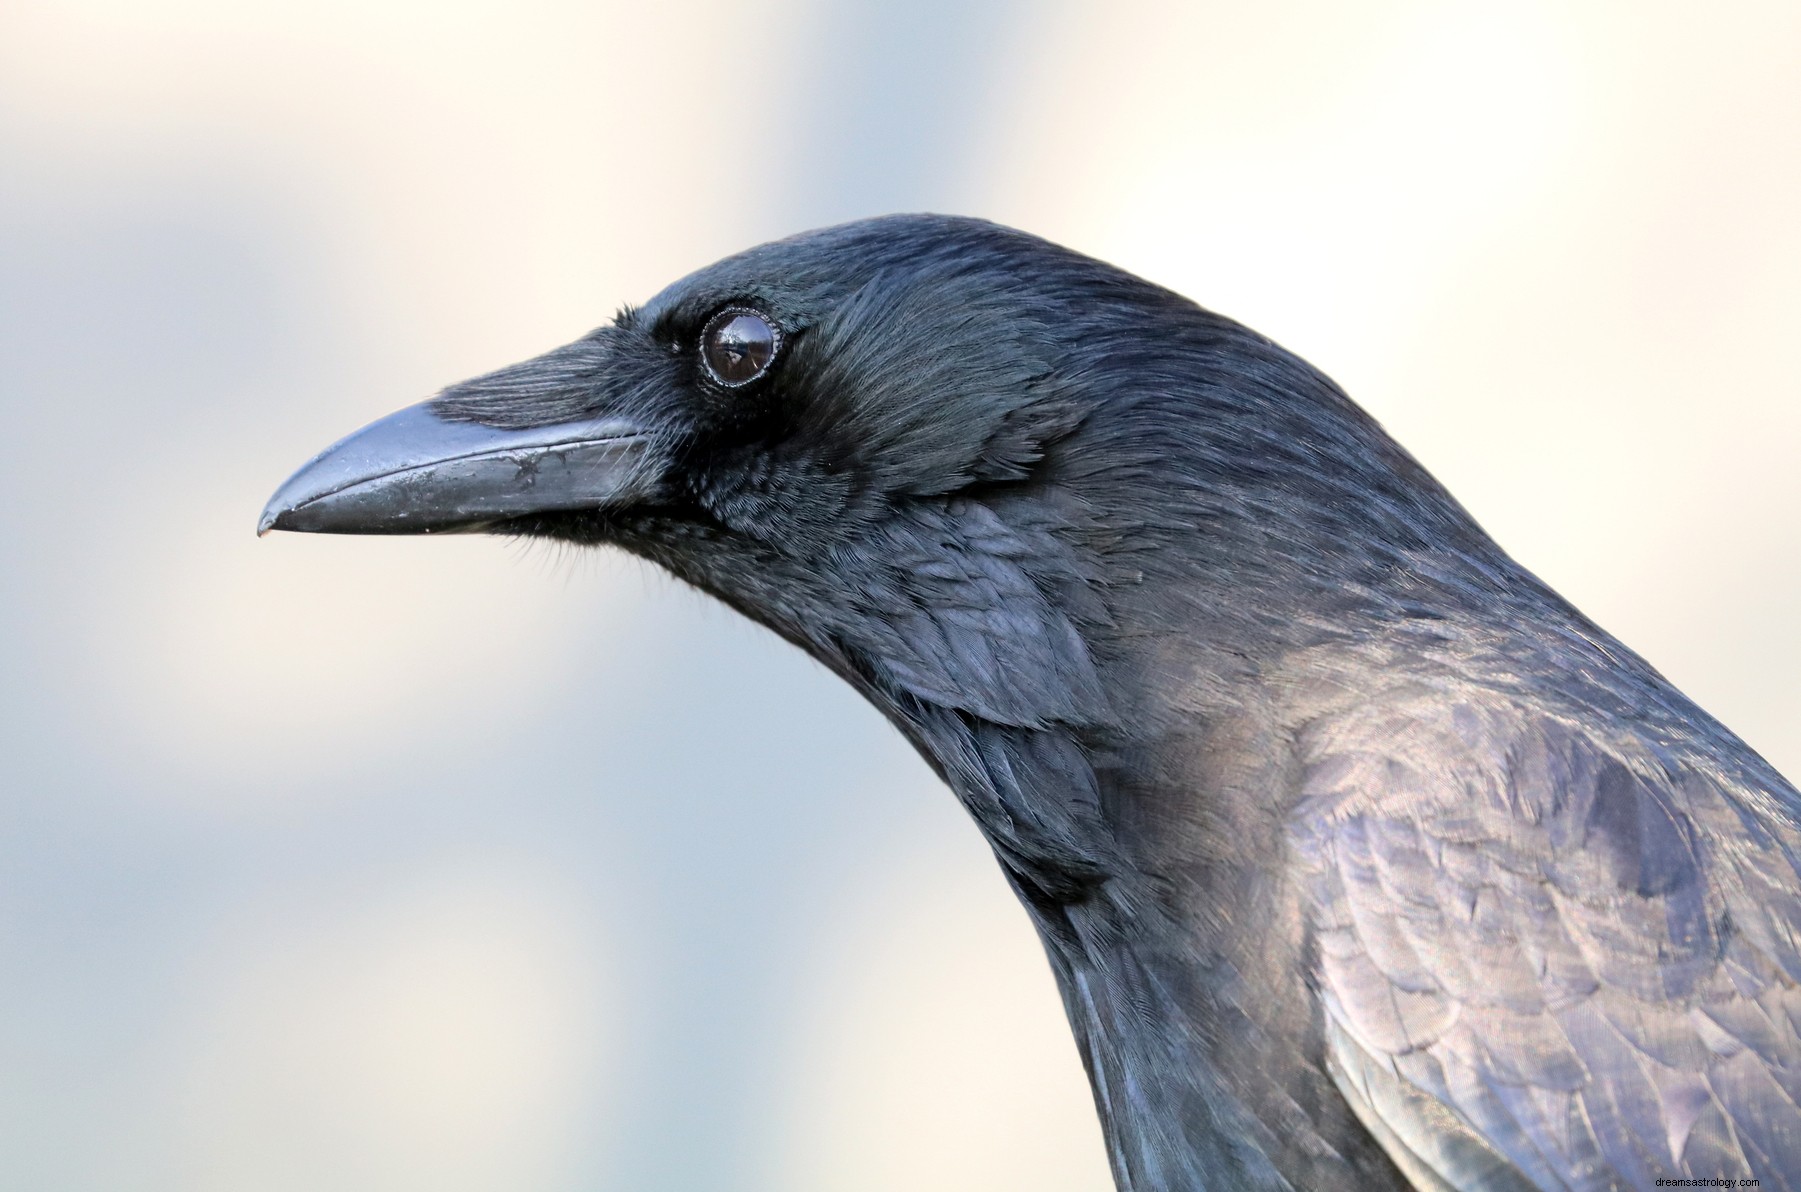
x: 387, y: 865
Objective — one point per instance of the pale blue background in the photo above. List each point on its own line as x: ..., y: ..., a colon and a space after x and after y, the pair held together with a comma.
x: 449, y: 864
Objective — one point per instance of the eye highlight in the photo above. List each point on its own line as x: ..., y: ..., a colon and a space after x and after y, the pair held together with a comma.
x: 738, y: 345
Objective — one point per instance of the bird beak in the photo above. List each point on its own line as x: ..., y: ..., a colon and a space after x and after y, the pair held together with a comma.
x: 417, y: 472
x: 442, y: 465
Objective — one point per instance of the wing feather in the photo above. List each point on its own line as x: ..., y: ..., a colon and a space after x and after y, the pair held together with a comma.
x: 1549, y: 961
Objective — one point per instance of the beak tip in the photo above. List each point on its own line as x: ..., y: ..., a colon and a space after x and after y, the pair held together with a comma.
x: 270, y: 520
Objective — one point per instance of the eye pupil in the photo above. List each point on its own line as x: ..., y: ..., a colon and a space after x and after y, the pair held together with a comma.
x: 738, y: 345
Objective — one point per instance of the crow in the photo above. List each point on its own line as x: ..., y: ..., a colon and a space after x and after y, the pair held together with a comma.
x: 1362, y: 858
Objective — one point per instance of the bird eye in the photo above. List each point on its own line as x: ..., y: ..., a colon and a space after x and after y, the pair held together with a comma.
x: 738, y: 345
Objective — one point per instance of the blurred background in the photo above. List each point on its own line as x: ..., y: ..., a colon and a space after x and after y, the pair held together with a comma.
x: 363, y: 864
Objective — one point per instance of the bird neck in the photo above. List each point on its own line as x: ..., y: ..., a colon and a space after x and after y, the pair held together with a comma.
x: 1164, y: 922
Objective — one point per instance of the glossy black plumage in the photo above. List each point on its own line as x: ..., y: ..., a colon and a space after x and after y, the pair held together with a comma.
x: 1360, y: 856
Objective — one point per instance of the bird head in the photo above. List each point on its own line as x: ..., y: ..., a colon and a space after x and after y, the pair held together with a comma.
x: 797, y: 429
x: 940, y: 455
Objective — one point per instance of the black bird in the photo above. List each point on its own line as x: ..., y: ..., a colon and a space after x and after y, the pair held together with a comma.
x: 1361, y: 857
